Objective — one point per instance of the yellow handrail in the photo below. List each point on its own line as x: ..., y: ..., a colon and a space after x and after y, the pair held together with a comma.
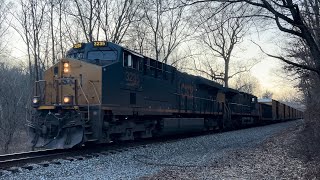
x: 86, y: 100
x: 95, y: 90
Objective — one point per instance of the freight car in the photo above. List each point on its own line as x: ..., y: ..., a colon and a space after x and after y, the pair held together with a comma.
x: 273, y: 111
x: 103, y: 92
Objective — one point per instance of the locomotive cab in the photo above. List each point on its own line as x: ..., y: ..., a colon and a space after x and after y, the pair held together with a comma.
x: 99, y: 52
x: 72, y: 100
x: 69, y: 87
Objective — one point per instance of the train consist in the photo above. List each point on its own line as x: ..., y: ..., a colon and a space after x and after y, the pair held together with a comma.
x: 102, y: 92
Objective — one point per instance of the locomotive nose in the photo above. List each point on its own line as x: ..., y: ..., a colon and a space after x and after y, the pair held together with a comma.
x: 57, y: 131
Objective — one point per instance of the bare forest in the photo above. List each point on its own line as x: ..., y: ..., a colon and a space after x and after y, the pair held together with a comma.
x: 200, y: 37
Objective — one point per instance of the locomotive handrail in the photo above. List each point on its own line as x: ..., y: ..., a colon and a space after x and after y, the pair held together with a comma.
x: 239, y: 104
x: 196, y: 97
x: 167, y: 71
x: 37, y: 87
x: 95, y: 90
x: 239, y: 108
x: 83, y: 93
x: 86, y: 100
x: 211, y: 100
x: 228, y: 111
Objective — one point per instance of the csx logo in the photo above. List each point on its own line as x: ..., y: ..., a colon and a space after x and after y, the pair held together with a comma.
x: 66, y: 81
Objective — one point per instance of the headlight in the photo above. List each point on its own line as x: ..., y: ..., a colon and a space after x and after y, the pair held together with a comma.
x: 66, y: 67
x: 67, y: 99
x: 35, y: 101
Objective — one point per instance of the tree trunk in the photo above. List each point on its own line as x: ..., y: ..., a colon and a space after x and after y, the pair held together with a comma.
x: 52, y: 34
x: 7, y: 143
x: 60, y: 28
x: 226, y: 73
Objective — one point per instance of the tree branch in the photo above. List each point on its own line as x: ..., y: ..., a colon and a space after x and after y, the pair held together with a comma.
x: 289, y: 62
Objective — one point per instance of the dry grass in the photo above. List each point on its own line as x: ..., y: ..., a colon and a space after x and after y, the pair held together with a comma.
x: 308, y: 142
x: 21, y: 142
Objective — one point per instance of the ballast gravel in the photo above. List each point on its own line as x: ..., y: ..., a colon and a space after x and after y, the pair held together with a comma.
x: 184, y: 158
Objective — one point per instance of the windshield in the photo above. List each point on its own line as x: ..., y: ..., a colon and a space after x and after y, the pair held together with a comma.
x: 75, y: 55
x: 102, y: 55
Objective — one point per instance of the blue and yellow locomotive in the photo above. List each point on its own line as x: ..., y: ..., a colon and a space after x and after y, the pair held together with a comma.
x: 102, y: 92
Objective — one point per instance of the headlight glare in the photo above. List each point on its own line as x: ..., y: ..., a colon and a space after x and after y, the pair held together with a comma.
x: 66, y: 65
x: 67, y: 99
x: 65, y: 70
x: 35, y: 101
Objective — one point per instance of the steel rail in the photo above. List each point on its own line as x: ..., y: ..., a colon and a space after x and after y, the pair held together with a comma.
x: 9, y: 160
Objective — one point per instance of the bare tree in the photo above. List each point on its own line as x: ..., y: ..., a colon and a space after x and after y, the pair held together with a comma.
x: 32, y: 20
x: 37, y: 10
x: 4, y: 8
x: 52, y: 3
x: 137, y: 38
x: 289, y: 18
x: 108, y: 20
x: 247, y: 83
x: 267, y: 95
x: 86, y: 15
x: 116, y: 18
x: 167, y: 27
x: 58, y: 30
x: 13, y: 98
x: 221, y: 34
x: 208, y: 69
x: 23, y: 21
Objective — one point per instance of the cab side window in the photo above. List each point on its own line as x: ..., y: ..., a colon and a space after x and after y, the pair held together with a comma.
x: 131, y: 61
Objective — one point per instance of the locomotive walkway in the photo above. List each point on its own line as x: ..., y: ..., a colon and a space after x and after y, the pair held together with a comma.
x: 255, y: 153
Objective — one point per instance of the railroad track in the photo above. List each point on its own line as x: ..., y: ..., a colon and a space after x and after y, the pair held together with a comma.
x: 20, y: 159
x: 12, y: 162
x: 30, y: 160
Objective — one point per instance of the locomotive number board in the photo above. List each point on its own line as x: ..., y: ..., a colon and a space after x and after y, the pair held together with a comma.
x: 77, y: 46
x: 99, y: 43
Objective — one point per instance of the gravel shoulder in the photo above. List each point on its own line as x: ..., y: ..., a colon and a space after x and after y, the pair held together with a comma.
x: 253, y: 153
x: 272, y: 159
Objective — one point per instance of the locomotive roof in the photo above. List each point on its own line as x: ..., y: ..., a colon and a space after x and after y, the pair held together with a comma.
x: 230, y: 91
x: 198, y: 79
x: 207, y: 82
x: 265, y: 100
